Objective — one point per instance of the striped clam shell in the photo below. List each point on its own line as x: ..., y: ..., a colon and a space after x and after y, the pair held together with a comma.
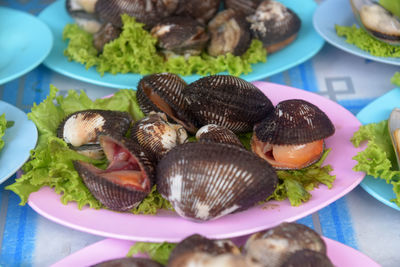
x: 248, y: 7
x: 294, y: 122
x: 218, y: 134
x: 129, y: 262
x: 227, y: 101
x: 201, y: 10
x: 114, y: 187
x: 205, y: 181
x: 163, y: 92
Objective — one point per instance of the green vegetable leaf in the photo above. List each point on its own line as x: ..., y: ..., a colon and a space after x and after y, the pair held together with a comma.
x: 392, y: 5
x: 3, y: 127
x: 396, y: 79
x: 156, y: 251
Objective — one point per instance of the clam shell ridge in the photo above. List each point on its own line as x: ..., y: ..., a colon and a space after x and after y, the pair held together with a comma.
x: 163, y: 92
x: 205, y: 181
x: 227, y: 101
x: 115, y: 193
x: 294, y: 121
x: 218, y: 134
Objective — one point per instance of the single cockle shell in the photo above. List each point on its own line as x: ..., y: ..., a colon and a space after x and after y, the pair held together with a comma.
x: 205, y: 181
x: 377, y: 21
x: 307, y: 257
x: 201, y: 10
x: 144, y: 11
x: 272, y: 247
x: 206, y: 260
x: 394, y: 130
x: 180, y: 36
x: 126, y: 181
x: 129, y: 262
x: 163, y: 92
x: 292, y: 137
x: 82, y: 11
x: 274, y: 24
x: 230, y: 33
x: 227, y: 101
x: 218, y: 134
x: 248, y: 7
x: 155, y: 134
x: 81, y: 129
x: 104, y: 35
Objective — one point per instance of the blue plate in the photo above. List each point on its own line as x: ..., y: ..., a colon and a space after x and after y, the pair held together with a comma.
x: 25, y: 42
x: 331, y: 12
x: 18, y: 140
x: 307, y: 44
x: 377, y: 111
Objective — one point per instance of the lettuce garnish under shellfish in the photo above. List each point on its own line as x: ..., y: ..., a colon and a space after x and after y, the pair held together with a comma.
x: 134, y: 51
x: 51, y: 161
x: 4, y: 124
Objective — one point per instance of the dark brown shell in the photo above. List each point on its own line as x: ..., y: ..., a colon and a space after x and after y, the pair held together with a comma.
x: 180, y: 35
x: 157, y: 136
x: 204, y: 181
x: 169, y: 88
x: 294, y: 122
x: 274, y: 29
x: 106, y: 34
x: 309, y: 258
x: 218, y: 134
x: 129, y: 262
x: 147, y: 12
x: 197, y: 243
x: 248, y: 7
x: 201, y: 10
x: 230, y: 33
x: 227, y: 101
x: 261, y: 247
x: 113, y: 192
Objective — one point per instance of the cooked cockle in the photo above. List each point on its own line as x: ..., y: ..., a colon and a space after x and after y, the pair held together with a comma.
x: 180, y: 36
x: 104, y: 35
x: 155, y: 134
x: 144, y: 11
x: 218, y: 134
x: 129, y: 262
x: 272, y: 247
x: 230, y: 33
x: 248, y: 7
x: 274, y: 24
x: 205, y: 181
x: 201, y: 10
x: 82, y: 11
x: 202, y: 259
x: 307, y: 258
x: 227, y: 101
x: 292, y: 137
x: 126, y: 181
x: 80, y: 130
x: 163, y: 92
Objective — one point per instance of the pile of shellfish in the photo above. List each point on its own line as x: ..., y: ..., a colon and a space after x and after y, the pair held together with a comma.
x: 188, y: 27
x: 203, y: 179
x: 288, y: 244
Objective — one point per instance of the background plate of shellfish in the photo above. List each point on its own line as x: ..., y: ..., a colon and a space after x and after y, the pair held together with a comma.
x: 332, y: 12
x: 19, y: 139
x: 307, y: 44
x: 168, y: 226
x: 374, y: 112
x: 108, y: 249
x: 21, y: 49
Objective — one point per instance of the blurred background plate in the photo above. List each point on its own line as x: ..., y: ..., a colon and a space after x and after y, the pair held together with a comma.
x: 18, y: 140
x: 332, y: 12
x: 374, y: 112
x: 307, y: 44
x: 25, y: 42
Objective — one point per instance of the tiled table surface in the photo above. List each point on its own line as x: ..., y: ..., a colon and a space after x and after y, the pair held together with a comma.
x: 357, y: 220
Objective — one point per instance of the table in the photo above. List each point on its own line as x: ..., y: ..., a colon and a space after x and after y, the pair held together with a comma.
x: 357, y: 220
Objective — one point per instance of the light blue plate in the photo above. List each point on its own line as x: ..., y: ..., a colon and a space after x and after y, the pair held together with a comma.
x: 377, y: 111
x: 331, y: 12
x: 25, y: 42
x: 304, y: 47
x: 18, y: 140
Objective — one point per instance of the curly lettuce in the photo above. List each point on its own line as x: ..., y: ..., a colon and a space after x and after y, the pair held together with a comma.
x: 135, y: 51
x: 158, y: 252
x: 396, y: 79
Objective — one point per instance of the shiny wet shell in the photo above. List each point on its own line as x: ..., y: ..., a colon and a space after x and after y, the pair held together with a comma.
x: 129, y: 262
x: 201, y: 10
x: 204, y: 181
x: 248, y: 7
x: 227, y: 101
x: 218, y: 134
x: 294, y: 121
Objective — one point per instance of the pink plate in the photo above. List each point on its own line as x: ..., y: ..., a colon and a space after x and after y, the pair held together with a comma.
x: 108, y: 249
x: 168, y: 226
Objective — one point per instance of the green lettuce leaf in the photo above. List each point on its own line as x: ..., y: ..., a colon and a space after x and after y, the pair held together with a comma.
x: 392, y: 5
x: 156, y: 251
x: 135, y: 51
x: 3, y: 127
x: 396, y: 79
x: 361, y: 39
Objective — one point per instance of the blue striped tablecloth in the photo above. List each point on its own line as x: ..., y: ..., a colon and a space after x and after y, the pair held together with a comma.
x: 357, y: 220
